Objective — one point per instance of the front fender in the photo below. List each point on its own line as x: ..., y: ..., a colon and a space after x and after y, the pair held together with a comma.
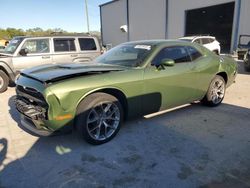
x: 5, y: 67
x: 99, y: 89
x: 66, y: 106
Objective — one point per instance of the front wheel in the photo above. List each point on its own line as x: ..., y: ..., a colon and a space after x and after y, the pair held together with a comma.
x: 4, y: 81
x: 216, y: 92
x: 99, y: 117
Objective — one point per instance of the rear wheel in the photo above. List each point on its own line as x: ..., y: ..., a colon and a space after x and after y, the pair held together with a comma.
x: 4, y: 81
x: 216, y: 92
x: 99, y: 118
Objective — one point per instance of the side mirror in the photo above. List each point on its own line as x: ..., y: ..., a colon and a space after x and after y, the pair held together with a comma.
x: 167, y: 62
x: 24, y: 52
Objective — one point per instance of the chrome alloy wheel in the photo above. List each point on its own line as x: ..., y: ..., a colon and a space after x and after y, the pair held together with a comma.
x: 103, y: 120
x: 1, y: 82
x: 217, y: 91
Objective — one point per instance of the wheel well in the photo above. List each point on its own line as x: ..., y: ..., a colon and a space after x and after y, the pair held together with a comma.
x: 216, y: 52
x: 120, y: 96
x: 3, y: 69
x: 223, y: 75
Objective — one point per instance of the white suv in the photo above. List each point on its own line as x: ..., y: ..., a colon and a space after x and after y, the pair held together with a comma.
x: 25, y: 52
x: 208, y: 41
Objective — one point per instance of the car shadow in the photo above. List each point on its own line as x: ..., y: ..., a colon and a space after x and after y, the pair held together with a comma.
x: 241, y: 69
x: 3, y: 149
x: 188, y: 147
x: 12, y: 110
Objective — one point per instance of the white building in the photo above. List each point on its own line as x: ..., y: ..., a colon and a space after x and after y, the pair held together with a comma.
x: 128, y: 20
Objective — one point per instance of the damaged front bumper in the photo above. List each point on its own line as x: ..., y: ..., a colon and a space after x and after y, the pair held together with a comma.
x: 30, y: 126
x: 32, y: 117
x: 30, y: 110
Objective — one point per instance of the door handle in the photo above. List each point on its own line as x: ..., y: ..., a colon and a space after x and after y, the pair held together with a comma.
x: 73, y: 55
x: 45, y: 57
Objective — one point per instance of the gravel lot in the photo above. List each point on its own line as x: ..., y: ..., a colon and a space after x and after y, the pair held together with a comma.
x: 193, y: 146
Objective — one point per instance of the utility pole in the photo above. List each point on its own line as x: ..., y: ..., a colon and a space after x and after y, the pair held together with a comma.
x: 87, y: 14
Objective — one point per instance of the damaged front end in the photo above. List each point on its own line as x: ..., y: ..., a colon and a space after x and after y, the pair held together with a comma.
x: 31, y: 103
x: 29, y: 109
x: 33, y: 109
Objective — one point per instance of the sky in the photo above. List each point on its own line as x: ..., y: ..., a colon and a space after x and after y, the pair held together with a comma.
x: 50, y: 14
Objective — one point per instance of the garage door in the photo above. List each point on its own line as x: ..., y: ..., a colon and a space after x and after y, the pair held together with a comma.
x: 214, y: 20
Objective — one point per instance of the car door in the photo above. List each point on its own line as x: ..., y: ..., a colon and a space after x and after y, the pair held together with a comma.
x: 64, y: 50
x: 204, y: 67
x: 175, y: 85
x: 38, y: 53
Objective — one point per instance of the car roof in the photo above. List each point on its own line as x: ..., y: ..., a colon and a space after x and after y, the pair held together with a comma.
x: 197, y: 36
x: 158, y: 42
x: 188, y: 38
x: 58, y: 36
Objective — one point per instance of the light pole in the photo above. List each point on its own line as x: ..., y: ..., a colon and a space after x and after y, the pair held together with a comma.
x: 87, y: 14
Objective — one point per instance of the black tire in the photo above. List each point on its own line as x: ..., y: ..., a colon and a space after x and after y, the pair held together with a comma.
x: 247, y: 65
x: 247, y: 69
x: 91, y: 118
x: 4, y: 81
x: 215, y: 93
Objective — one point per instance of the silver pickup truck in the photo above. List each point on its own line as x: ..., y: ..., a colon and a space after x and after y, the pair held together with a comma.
x: 25, y: 52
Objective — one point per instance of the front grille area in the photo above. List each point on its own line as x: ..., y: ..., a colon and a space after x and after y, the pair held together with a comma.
x: 30, y: 92
x: 31, y: 103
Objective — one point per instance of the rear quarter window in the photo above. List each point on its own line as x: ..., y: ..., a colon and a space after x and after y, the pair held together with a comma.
x: 211, y: 40
x: 87, y: 44
x: 194, y: 53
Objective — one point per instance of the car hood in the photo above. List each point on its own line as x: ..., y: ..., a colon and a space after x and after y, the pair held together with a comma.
x: 53, y: 73
x: 2, y: 55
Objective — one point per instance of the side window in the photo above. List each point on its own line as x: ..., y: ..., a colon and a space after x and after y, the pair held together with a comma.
x: 197, y: 41
x: 177, y: 53
x: 195, y: 54
x: 205, y: 41
x: 211, y: 40
x: 64, y: 45
x: 37, y: 46
x: 87, y: 44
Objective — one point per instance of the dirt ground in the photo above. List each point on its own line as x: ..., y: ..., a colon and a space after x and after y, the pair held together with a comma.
x: 192, y: 146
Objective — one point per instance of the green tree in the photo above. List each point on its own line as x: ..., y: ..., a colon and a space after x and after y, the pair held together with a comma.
x: 9, y: 33
x: 3, y: 34
x: 12, y: 32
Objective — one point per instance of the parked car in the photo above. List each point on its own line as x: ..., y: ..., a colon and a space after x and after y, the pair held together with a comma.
x: 129, y: 80
x: 25, y: 52
x: 243, y: 50
x: 209, y: 42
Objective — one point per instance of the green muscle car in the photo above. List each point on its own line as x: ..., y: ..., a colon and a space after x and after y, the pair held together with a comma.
x: 132, y: 79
